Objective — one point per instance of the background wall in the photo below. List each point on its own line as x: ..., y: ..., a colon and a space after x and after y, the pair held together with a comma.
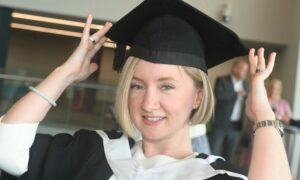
x: 257, y: 20
x: 46, y: 53
x: 106, y: 73
x: 288, y: 68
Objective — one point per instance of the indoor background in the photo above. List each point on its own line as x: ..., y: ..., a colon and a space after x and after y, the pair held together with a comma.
x: 37, y: 36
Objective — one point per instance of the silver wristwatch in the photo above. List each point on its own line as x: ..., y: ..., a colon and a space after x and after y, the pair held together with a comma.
x: 266, y: 123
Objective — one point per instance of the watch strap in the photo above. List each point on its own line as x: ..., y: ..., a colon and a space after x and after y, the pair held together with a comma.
x: 269, y: 123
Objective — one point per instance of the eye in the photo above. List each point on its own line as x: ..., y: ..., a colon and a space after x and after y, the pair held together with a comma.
x: 135, y: 86
x: 167, y: 87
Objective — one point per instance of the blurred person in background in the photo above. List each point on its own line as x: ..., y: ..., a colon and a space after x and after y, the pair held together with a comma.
x: 230, y: 91
x: 279, y: 105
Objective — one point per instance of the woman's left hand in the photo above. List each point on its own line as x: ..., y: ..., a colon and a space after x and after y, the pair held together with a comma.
x: 258, y: 107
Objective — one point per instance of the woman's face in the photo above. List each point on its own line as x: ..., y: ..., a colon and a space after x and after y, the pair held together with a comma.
x: 276, y: 88
x: 161, y: 99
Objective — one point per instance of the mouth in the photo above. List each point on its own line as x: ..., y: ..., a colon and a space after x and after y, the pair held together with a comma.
x: 153, y: 120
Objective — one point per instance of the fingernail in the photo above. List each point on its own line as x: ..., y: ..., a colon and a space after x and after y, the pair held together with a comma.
x: 108, y: 24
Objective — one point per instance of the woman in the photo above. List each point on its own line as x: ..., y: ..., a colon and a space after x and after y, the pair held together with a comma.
x: 163, y: 88
x: 280, y: 106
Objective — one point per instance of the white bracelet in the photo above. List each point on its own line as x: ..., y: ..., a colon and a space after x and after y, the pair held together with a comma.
x: 42, y: 95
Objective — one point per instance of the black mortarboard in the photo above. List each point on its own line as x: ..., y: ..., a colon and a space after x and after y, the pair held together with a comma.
x: 173, y: 32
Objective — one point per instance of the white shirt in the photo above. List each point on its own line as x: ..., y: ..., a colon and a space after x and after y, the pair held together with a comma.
x: 197, y: 130
x: 15, y: 142
x: 152, y: 162
x: 238, y: 105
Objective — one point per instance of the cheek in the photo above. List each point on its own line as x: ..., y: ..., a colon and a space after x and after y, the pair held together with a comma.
x: 134, y: 103
x: 179, y: 106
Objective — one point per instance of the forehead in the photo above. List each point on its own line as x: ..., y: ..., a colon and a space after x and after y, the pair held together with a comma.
x: 276, y: 83
x: 146, y: 70
x: 242, y: 64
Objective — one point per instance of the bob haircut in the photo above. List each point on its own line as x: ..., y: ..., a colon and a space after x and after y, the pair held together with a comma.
x: 201, y: 114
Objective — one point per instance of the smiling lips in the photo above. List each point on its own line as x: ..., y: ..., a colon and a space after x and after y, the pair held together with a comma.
x: 152, y: 120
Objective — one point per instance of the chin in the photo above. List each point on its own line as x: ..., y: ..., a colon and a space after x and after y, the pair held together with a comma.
x: 152, y: 135
x: 156, y: 136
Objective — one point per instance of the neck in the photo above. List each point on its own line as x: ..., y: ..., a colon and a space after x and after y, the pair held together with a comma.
x: 235, y: 77
x: 178, y: 146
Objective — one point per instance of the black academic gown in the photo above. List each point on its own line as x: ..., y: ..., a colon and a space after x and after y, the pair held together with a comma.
x: 82, y: 157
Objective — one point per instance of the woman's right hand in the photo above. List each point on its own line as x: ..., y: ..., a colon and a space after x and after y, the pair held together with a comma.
x: 79, y: 65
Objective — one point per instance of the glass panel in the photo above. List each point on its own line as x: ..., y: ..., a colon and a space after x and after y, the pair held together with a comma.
x: 82, y: 105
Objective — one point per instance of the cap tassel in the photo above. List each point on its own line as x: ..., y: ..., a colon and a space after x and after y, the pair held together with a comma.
x: 119, y: 59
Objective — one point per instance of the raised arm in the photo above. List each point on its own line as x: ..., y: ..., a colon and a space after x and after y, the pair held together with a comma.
x: 269, y: 160
x: 32, y: 108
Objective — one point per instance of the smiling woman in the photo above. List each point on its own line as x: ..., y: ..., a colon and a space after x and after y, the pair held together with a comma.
x: 202, y: 110
x: 160, y: 108
x: 162, y: 90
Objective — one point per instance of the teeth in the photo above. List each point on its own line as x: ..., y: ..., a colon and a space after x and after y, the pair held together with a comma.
x: 153, y: 119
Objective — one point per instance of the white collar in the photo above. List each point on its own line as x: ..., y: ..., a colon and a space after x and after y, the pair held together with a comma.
x: 235, y: 81
x: 155, y: 161
x: 125, y: 167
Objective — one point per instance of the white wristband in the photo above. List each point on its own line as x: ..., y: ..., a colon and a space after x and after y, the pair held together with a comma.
x: 44, y: 96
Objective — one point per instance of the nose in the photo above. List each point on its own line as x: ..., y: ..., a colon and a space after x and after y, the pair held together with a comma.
x: 150, y: 101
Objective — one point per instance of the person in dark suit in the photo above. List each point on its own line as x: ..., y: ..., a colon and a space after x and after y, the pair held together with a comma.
x: 230, y: 91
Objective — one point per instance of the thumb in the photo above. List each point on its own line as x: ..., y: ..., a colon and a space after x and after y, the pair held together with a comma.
x: 93, y: 67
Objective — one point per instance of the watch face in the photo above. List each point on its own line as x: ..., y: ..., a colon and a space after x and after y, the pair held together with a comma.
x: 280, y: 128
x: 281, y: 131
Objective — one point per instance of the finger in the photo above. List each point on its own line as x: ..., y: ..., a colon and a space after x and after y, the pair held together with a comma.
x: 93, y: 67
x: 270, y: 64
x: 100, y: 33
x: 100, y: 43
x: 96, y: 47
x: 87, y: 27
x: 261, y: 64
x: 252, y: 61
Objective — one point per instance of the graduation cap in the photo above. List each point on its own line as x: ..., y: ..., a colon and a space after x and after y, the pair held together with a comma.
x: 173, y: 32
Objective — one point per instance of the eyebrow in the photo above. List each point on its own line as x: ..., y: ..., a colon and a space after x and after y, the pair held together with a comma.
x: 168, y: 78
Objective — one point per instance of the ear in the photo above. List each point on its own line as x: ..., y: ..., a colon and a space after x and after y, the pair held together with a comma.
x: 198, y: 98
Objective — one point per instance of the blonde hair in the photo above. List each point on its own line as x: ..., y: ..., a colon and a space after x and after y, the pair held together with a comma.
x: 199, y: 115
x: 205, y: 110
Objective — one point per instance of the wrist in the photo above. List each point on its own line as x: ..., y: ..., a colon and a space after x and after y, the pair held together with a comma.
x: 277, y: 124
x: 265, y: 115
x: 67, y: 76
x: 54, y: 84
